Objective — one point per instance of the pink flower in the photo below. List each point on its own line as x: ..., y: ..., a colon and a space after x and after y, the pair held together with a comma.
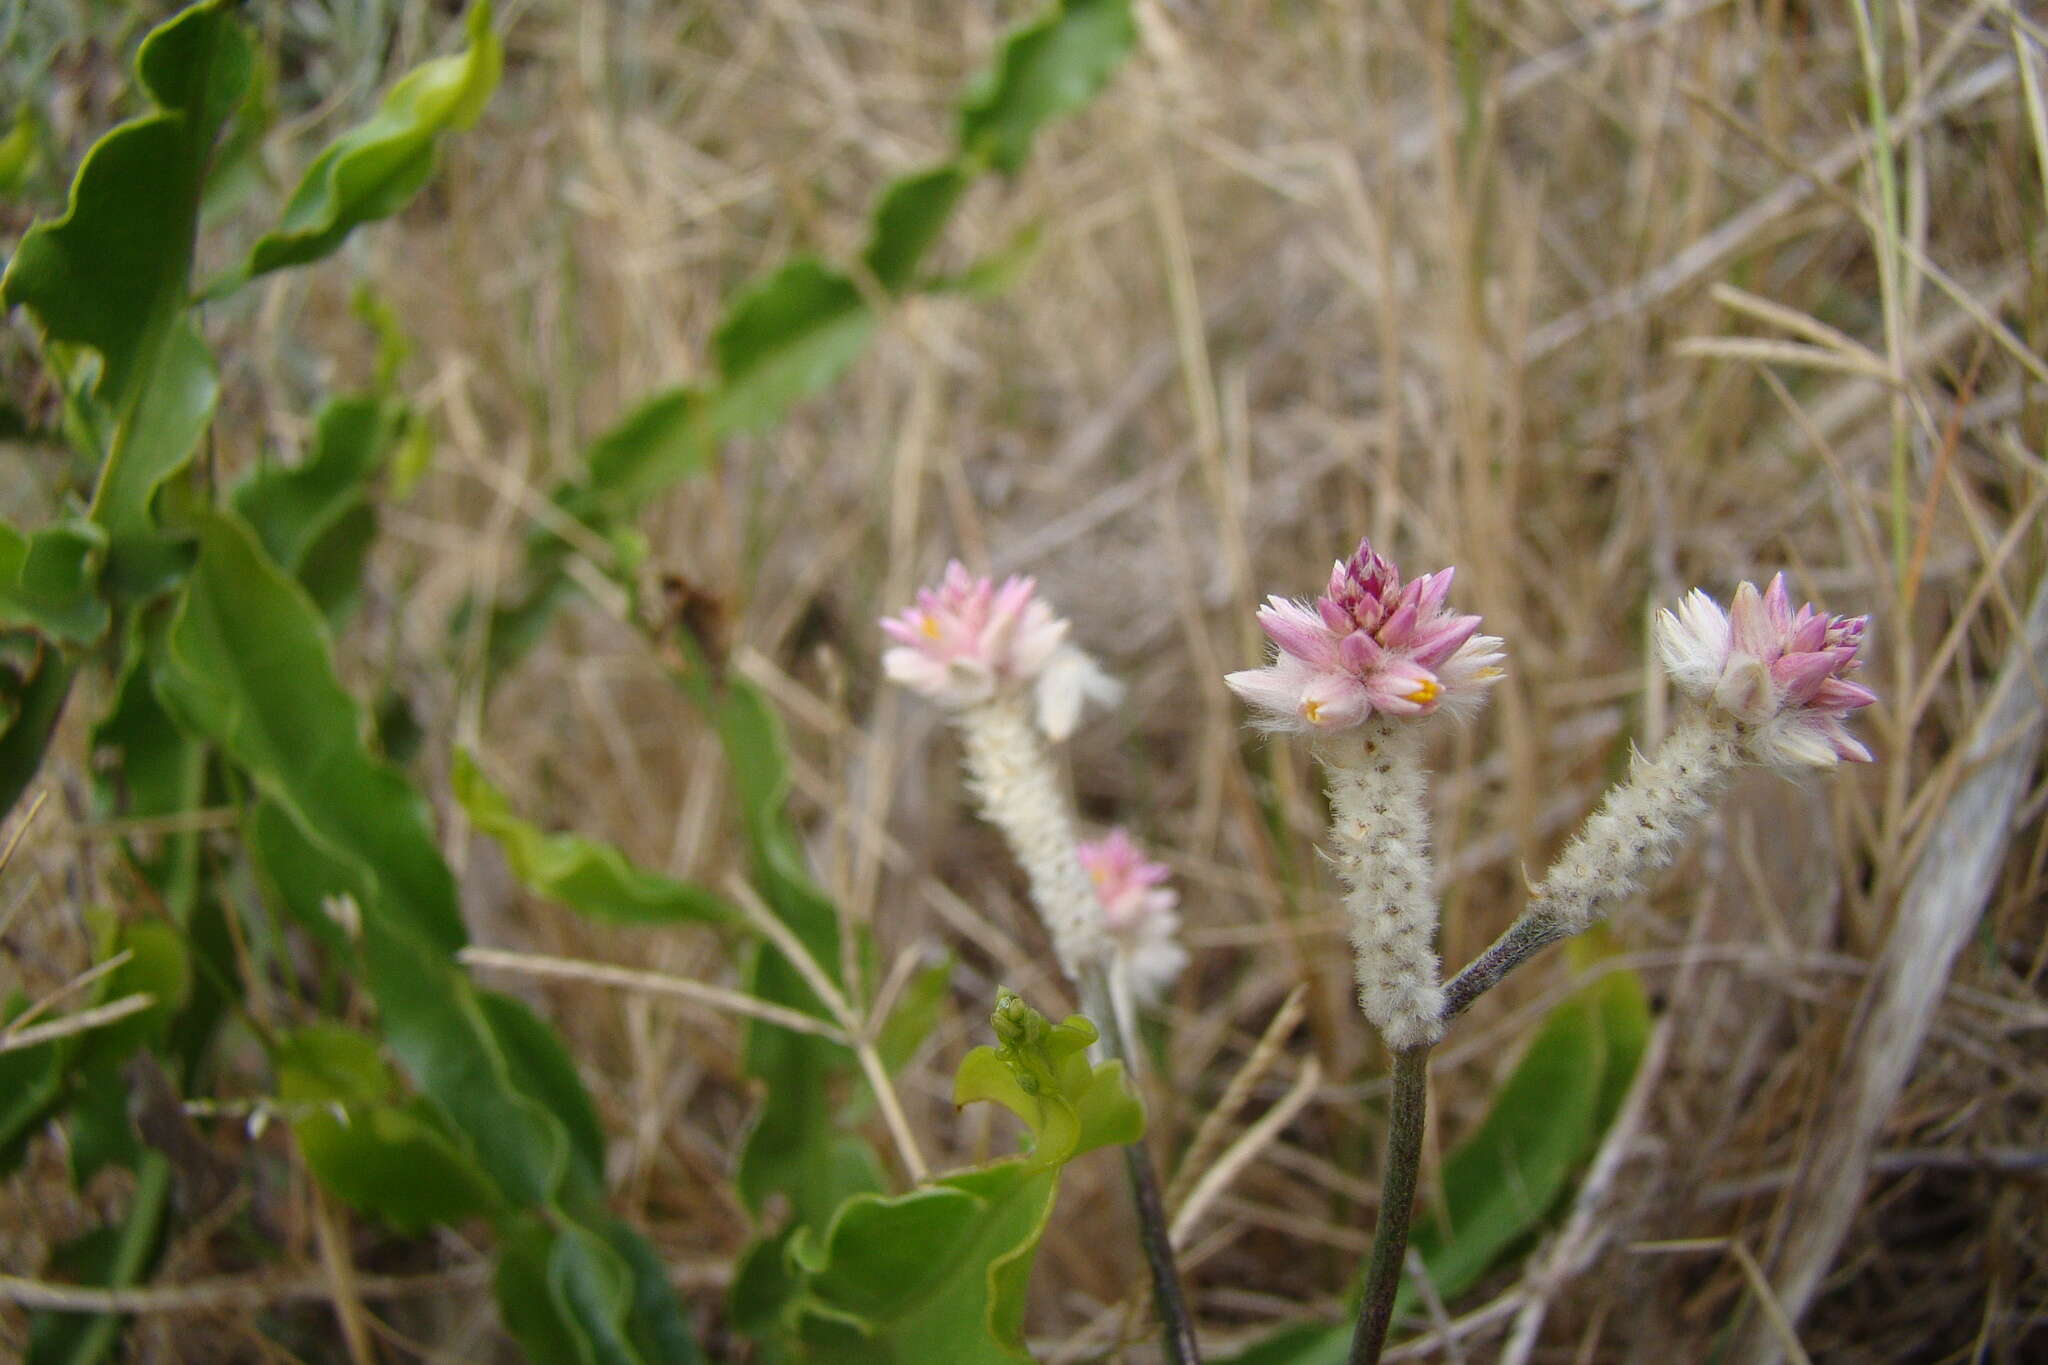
x: 1369, y: 644
x: 1137, y: 910
x: 1783, y: 674
x: 966, y: 640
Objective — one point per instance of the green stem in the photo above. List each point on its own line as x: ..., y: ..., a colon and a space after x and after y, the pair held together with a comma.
x: 1397, y: 1205
x: 1175, y: 1321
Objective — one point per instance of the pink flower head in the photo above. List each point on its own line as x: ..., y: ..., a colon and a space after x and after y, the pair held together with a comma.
x: 1782, y: 673
x: 1137, y: 910
x: 966, y: 640
x: 1370, y: 644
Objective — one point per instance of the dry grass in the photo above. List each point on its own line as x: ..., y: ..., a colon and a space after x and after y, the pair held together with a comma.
x: 1595, y: 300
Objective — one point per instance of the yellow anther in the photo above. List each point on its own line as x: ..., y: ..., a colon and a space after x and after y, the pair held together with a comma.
x: 1426, y: 691
x: 1312, y: 712
x: 930, y: 626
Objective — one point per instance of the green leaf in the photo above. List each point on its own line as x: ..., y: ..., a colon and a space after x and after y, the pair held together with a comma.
x: 1046, y: 68
x: 590, y: 1293
x: 172, y: 412
x: 35, y: 681
x: 436, y: 1026
x: 666, y: 438
x: 18, y: 149
x: 116, y: 1258
x: 656, y: 1316
x: 146, y: 766
x: 941, y: 1273
x: 916, y: 1015
x: 291, y: 509
x: 908, y: 220
x: 389, y: 1160
x: 539, y: 1068
x: 1501, y: 1182
x: 374, y: 169
x: 158, y: 966
x: 1299, y: 1344
x: 593, y: 1290
x: 302, y: 876
x: 785, y: 338
x: 30, y: 1081
x: 991, y: 275
x: 249, y: 667
x: 111, y: 273
x: 49, y: 581
x: 593, y: 878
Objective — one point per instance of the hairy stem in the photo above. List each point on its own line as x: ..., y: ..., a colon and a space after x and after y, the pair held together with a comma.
x: 1397, y: 1205
x: 1100, y: 1002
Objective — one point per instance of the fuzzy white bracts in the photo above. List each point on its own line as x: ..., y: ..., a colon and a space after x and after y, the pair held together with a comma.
x: 1641, y: 824
x: 1379, y: 841
x: 1012, y: 776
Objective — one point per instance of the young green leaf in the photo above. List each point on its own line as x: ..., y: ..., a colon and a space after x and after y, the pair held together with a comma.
x: 291, y: 508
x: 111, y: 273
x: 665, y: 439
x: 940, y: 1273
x: 1049, y: 66
x: 592, y: 878
x: 374, y: 169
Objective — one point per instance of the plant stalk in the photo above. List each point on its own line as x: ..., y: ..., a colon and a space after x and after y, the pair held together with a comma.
x: 1397, y: 1205
x: 1523, y: 939
x: 1176, y: 1323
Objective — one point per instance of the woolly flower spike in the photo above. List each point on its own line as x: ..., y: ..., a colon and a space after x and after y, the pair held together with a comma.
x: 967, y: 641
x: 1782, y: 674
x: 1138, y: 912
x: 1369, y: 645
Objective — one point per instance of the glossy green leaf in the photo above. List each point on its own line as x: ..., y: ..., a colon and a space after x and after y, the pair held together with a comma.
x: 785, y: 338
x: 589, y: 1292
x: 593, y: 1290
x: 115, y: 1258
x: 111, y: 273
x: 374, y: 169
x: 35, y: 682
x: 908, y: 220
x: 539, y: 1068
x: 1046, y: 68
x: 666, y: 438
x: 49, y: 581
x: 249, y: 667
x: 593, y: 878
x: 940, y: 1273
x: 304, y: 878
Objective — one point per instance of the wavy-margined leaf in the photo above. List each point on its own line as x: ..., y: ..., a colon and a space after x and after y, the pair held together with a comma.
x: 1051, y: 65
x: 111, y: 273
x: 940, y: 1273
x: 49, y: 580
x: 593, y: 878
x: 390, y: 1159
x: 784, y: 338
x: 35, y: 681
x: 590, y: 1293
x: 374, y: 169
x: 249, y: 667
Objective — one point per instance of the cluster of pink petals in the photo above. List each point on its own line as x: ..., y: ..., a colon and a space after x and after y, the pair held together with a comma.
x: 1138, y: 910
x: 1370, y: 644
x: 1783, y: 674
x: 966, y: 640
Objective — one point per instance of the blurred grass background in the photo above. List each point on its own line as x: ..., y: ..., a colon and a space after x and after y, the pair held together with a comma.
x: 1597, y: 300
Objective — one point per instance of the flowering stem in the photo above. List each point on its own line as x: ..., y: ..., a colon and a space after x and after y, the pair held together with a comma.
x: 1397, y: 1205
x: 1099, y: 1002
x: 1525, y: 938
